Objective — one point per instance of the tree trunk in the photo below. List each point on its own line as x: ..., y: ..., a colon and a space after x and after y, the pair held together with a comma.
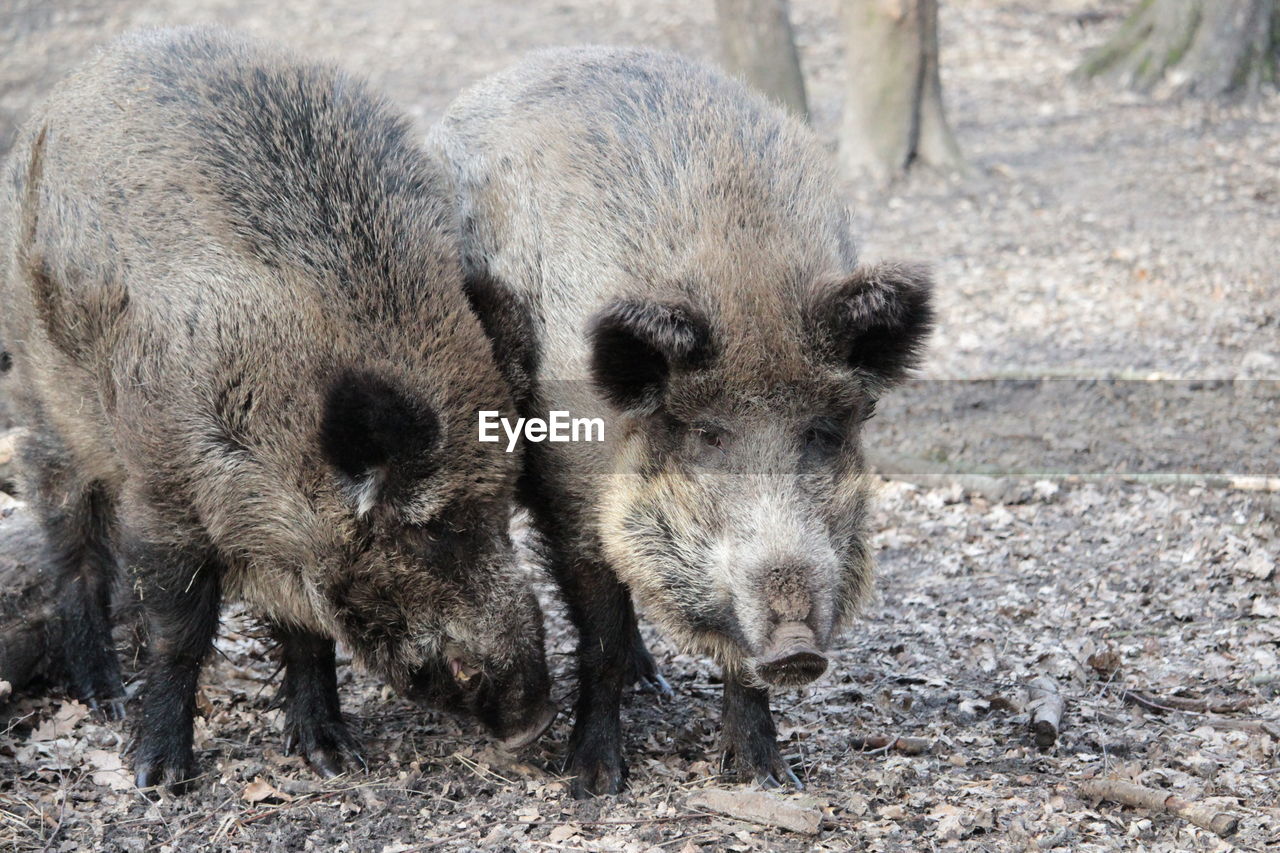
x: 758, y: 46
x: 1206, y: 48
x: 893, y: 114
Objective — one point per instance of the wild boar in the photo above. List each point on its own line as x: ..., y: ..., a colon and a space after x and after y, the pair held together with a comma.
x: 647, y: 238
x: 248, y: 368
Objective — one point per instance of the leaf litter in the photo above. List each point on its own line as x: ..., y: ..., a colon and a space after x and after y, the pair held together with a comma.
x: 1111, y: 233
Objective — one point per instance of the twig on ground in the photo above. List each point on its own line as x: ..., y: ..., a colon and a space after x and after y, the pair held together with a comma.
x: 624, y: 821
x: 480, y: 770
x: 1129, y: 794
x: 889, y: 743
x: 1260, y: 727
x: 1182, y: 703
x: 1046, y: 706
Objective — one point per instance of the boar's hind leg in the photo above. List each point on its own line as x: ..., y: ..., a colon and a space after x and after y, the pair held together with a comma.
x: 750, y: 740
x: 313, y: 727
x: 180, y: 596
x: 77, y: 518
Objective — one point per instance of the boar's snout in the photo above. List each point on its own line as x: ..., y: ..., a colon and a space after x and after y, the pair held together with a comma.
x: 792, y: 657
x: 523, y: 738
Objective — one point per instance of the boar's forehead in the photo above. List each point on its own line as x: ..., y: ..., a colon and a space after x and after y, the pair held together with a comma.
x: 756, y: 394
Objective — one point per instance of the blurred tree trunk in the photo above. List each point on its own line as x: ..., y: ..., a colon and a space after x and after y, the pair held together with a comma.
x: 758, y: 46
x: 893, y: 114
x: 1208, y: 48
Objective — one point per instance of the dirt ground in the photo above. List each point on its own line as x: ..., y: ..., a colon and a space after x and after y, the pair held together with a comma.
x: 1104, y: 237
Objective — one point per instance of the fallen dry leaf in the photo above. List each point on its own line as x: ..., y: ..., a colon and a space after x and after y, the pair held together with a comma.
x: 563, y: 833
x: 260, y: 790
x: 110, y: 773
x: 61, y: 723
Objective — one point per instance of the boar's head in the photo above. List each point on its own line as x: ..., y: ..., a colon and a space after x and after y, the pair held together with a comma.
x: 430, y: 594
x: 738, y: 504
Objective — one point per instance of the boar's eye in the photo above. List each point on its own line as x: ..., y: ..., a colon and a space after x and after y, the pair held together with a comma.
x: 822, y: 439
x: 711, y: 443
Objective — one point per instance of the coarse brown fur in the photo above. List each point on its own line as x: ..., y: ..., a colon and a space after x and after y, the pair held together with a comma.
x: 675, y: 256
x: 248, y: 369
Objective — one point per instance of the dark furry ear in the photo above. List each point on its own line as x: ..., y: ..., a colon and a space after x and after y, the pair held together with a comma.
x: 636, y: 345
x: 508, y: 323
x: 878, y: 320
x: 377, y: 436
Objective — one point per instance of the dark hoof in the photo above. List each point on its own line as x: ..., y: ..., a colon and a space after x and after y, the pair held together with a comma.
x: 792, y: 658
x: 596, y: 772
x: 328, y: 747
x: 759, y: 760
x: 177, y: 776
x: 646, y: 676
x: 789, y: 779
x: 603, y: 779
x: 653, y: 682
x: 108, y: 709
x: 95, y: 680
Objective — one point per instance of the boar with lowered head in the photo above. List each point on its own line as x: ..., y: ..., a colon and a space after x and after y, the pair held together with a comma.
x: 647, y: 238
x: 240, y: 343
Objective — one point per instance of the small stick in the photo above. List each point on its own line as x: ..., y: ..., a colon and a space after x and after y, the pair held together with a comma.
x: 1181, y: 703
x: 1046, y: 706
x: 1260, y: 727
x: 1129, y: 794
x: 888, y: 743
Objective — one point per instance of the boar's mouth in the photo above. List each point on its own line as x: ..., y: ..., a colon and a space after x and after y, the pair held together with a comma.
x: 792, y: 658
x: 520, y: 740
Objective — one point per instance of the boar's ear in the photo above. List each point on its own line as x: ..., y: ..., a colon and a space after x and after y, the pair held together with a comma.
x: 378, y: 437
x: 508, y: 323
x: 635, y: 346
x: 877, y: 320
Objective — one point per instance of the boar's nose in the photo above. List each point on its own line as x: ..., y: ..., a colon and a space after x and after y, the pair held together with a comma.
x: 519, y: 740
x: 792, y: 657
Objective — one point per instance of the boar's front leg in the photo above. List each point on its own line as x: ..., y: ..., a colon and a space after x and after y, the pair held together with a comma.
x: 750, y: 739
x: 600, y: 608
x: 314, y: 727
x: 180, y: 591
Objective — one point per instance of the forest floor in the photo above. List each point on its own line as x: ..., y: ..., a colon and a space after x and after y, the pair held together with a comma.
x: 1129, y: 247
